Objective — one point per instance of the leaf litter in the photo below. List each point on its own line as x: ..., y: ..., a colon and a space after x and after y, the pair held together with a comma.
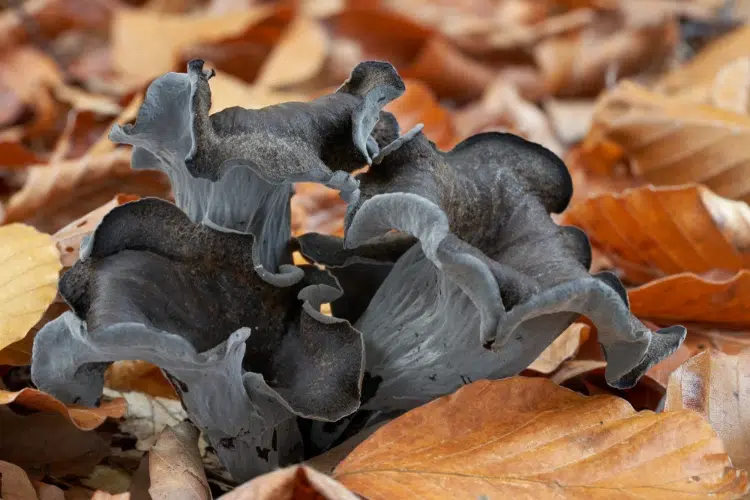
x: 655, y: 143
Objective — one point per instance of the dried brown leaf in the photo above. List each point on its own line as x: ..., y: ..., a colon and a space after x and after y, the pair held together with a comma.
x: 670, y: 141
x: 731, y: 87
x: 570, y: 118
x: 528, y: 437
x: 175, y: 465
x: 583, y: 64
x: 298, y: 57
x: 650, y: 232
x: 296, y: 482
x: 83, y: 418
x: 25, y: 441
x: 146, y: 43
x: 717, y: 386
x: 29, y: 269
x: 55, y: 195
x: 689, y: 298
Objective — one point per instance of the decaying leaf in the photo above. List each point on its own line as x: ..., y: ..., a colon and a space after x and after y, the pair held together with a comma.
x: 29, y: 268
x: 54, y: 195
x: 562, y: 348
x: 175, y: 466
x: 48, y: 444
x: 83, y: 418
x: 649, y: 232
x: 701, y: 71
x: 690, y: 298
x: 297, y: 482
x: 522, y: 437
x: 669, y: 141
x: 717, y: 386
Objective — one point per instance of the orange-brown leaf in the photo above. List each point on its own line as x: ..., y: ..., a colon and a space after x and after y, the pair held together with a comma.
x: 529, y: 438
x: 419, y: 105
x: 689, y: 298
x: 650, y: 232
x: 83, y: 418
x: 717, y: 386
x: 139, y: 376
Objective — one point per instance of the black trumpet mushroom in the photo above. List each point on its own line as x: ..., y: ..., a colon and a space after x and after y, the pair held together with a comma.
x: 451, y: 270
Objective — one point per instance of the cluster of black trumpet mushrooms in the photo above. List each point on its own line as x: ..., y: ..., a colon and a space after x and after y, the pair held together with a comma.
x: 451, y: 270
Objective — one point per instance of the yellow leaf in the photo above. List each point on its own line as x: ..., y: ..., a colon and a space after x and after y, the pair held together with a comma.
x: 717, y: 386
x: 529, y: 438
x: 29, y: 269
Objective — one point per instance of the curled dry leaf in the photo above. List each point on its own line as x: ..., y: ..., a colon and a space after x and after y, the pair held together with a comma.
x: 670, y: 141
x: 717, y: 386
x: 688, y: 298
x: 561, y: 349
x: 649, y: 232
x: 83, y: 418
x: 175, y: 466
x: 298, y: 56
x: 54, y: 195
x: 527, y: 437
x: 146, y: 43
x: 583, y: 63
x: 29, y: 268
x: 297, y: 482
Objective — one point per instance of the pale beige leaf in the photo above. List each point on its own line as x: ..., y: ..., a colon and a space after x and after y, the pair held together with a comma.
x: 14, y: 483
x: 228, y: 91
x: 669, y: 141
x: 731, y: 88
x: 717, y: 386
x: 570, y: 118
x: 146, y: 417
x: 530, y: 438
x: 561, y: 349
x: 293, y: 482
x: 175, y: 466
x: 29, y: 269
x: 298, y: 57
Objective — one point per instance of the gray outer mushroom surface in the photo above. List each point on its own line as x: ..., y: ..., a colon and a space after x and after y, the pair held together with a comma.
x: 489, y: 260
x: 235, y: 167
x: 247, y: 349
